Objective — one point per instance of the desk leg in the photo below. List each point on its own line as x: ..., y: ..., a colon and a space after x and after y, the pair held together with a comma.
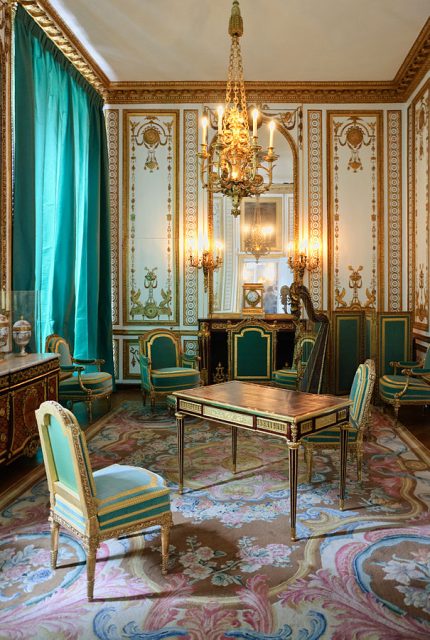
x: 293, y: 454
x: 343, y: 458
x: 180, y: 419
x: 234, y: 447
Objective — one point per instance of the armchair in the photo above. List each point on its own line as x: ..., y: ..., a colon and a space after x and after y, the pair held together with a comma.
x: 290, y: 377
x: 163, y: 366
x: 251, y: 351
x: 410, y: 386
x: 360, y: 395
x: 77, y: 385
x: 114, y: 501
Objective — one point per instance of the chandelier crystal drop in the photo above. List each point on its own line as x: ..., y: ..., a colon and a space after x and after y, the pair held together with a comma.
x: 235, y: 164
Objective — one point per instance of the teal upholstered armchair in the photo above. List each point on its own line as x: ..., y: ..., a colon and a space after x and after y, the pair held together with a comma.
x: 163, y: 366
x: 114, y: 501
x: 251, y: 352
x: 290, y: 377
x: 408, y: 385
x: 361, y: 396
x: 77, y: 384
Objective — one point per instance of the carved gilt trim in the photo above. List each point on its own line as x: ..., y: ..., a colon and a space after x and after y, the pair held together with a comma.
x: 394, y: 179
x: 112, y: 125
x: 190, y: 208
x: 315, y: 200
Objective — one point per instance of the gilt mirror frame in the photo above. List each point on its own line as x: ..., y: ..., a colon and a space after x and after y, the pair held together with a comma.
x: 280, y: 128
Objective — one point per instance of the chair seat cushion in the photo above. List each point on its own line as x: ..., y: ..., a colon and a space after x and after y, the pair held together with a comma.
x: 418, y: 390
x: 99, y: 382
x: 285, y: 377
x: 127, y: 494
x: 175, y: 378
x: 329, y: 436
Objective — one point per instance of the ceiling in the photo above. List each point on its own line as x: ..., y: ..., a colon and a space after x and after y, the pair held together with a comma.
x: 284, y: 40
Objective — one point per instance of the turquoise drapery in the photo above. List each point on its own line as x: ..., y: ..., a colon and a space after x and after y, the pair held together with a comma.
x: 61, y: 239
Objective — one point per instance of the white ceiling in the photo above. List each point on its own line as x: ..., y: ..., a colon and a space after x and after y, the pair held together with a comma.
x: 289, y: 40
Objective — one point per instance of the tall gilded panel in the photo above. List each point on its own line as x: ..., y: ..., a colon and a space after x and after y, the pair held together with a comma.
x: 190, y: 213
x: 315, y: 199
x: 150, y: 218
x: 355, y: 210
x: 411, y: 229
x: 394, y: 228
x: 112, y: 126
x: 421, y: 160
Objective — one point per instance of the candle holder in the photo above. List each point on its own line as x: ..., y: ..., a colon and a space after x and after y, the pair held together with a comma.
x: 299, y: 261
x: 207, y: 260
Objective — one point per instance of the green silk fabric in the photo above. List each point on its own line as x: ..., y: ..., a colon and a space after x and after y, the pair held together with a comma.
x: 61, y: 225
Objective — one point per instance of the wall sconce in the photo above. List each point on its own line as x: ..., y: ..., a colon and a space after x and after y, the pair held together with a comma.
x: 206, y: 258
x: 299, y: 259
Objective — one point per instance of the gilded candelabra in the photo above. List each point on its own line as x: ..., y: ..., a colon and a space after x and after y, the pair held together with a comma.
x: 235, y: 165
x: 299, y: 261
x: 207, y: 260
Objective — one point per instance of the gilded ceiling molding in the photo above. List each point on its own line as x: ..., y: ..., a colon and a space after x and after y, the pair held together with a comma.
x: 415, y: 65
x: 56, y: 29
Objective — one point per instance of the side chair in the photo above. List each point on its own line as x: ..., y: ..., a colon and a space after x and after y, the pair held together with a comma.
x: 163, y: 366
x: 77, y: 385
x: 115, y: 501
x: 361, y: 395
x: 409, y: 387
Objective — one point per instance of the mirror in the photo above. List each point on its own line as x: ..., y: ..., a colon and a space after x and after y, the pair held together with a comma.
x: 279, y: 215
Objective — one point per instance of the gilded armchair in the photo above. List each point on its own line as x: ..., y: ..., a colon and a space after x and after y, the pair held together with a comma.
x: 360, y: 395
x: 290, y: 377
x: 163, y: 366
x: 115, y: 501
x: 409, y: 387
x: 77, y: 385
x: 251, y: 349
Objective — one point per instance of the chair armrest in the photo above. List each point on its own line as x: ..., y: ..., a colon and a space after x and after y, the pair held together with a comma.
x: 96, y: 362
x: 70, y: 368
x: 190, y: 361
x: 145, y: 372
x: 401, y: 364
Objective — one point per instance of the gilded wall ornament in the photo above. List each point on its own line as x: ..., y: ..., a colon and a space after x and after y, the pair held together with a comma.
x: 422, y: 295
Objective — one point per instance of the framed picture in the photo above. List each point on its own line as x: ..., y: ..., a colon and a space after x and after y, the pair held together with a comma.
x: 271, y: 216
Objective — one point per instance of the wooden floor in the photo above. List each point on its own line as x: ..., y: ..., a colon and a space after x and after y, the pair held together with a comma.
x: 416, y: 419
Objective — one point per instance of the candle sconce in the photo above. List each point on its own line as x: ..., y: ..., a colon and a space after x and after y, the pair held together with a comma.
x: 207, y: 259
x: 299, y: 260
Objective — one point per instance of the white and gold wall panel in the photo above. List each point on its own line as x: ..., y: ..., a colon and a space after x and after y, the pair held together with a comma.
x: 355, y: 209
x: 150, y: 217
x: 315, y: 201
x: 394, y: 231
x: 420, y: 207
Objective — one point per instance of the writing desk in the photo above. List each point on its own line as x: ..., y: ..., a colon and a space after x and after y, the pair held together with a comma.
x: 267, y: 410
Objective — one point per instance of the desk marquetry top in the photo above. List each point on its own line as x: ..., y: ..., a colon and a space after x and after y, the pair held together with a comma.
x: 281, y: 404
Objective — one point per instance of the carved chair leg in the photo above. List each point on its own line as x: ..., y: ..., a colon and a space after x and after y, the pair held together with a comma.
x: 55, y: 528
x: 144, y: 394
x: 152, y: 401
x: 90, y: 411
x: 396, y: 408
x: 165, y: 537
x: 91, y: 570
x: 309, y: 457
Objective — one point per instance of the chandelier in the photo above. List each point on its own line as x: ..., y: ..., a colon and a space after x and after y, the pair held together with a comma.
x: 235, y: 164
x: 259, y: 238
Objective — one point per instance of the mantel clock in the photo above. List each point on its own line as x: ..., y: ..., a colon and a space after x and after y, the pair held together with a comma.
x: 252, y: 298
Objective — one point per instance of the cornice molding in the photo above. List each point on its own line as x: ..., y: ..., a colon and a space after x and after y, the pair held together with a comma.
x: 57, y: 30
x: 409, y: 75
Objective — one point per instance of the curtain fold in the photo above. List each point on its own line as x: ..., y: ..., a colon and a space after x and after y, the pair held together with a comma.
x: 61, y: 221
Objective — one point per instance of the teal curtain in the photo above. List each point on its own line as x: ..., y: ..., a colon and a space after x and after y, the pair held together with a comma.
x: 61, y: 239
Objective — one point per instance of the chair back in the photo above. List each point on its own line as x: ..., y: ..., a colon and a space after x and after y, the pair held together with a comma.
x: 162, y: 347
x: 251, y: 353
x: 56, y: 344
x: 68, y: 469
x: 361, y: 394
x: 426, y: 362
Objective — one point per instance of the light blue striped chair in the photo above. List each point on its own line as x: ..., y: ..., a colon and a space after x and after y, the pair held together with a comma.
x: 410, y: 387
x: 361, y: 395
x: 111, y: 502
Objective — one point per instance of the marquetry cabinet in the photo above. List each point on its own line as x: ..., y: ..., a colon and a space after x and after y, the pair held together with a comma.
x: 25, y: 382
x: 217, y: 346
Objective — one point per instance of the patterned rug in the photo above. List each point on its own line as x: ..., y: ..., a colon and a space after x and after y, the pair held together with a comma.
x: 361, y: 574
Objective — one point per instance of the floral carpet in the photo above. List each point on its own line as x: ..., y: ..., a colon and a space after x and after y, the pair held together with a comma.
x: 360, y: 574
